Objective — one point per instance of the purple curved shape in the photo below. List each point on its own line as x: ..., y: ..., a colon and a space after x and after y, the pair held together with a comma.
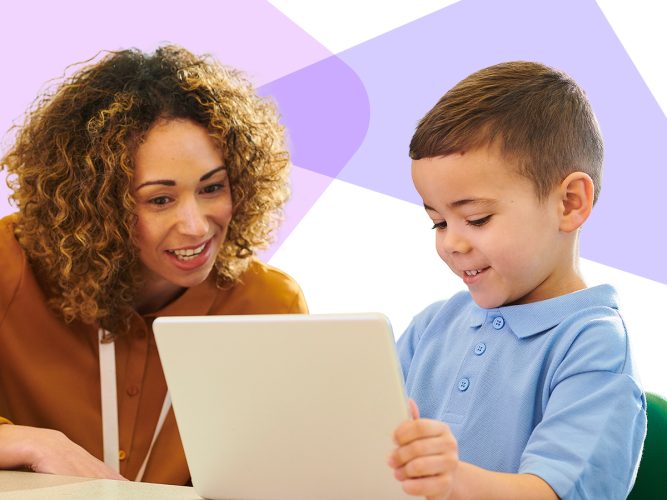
x: 326, y: 111
x: 407, y: 70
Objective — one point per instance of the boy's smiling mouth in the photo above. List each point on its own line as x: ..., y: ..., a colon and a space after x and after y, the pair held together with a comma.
x: 471, y: 276
x: 474, y: 272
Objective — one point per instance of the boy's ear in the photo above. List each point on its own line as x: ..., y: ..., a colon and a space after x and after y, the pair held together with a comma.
x: 576, y: 192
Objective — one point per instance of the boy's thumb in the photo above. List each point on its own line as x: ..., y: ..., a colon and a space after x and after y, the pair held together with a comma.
x: 413, y: 409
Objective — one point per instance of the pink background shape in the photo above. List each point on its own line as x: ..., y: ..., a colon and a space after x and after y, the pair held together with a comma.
x: 40, y: 40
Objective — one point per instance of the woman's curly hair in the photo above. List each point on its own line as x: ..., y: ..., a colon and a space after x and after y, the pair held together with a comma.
x: 71, y: 169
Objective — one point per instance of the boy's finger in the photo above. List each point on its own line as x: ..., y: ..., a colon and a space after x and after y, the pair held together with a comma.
x: 414, y: 410
x: 426, y: 486
x: 421, y: 448
x: 432, y: 465
x: 419, y: 429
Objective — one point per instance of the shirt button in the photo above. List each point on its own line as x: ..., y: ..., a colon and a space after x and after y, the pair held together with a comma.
x: 498, y: 322
x: 463, y: 384
x: 122, y: 455
x: 133, y: 390
x: 480, y: 348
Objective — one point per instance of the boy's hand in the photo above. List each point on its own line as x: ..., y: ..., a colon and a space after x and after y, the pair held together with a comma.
x: 426, y: 457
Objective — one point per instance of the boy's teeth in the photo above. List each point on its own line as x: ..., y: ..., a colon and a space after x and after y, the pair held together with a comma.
x: 474, y: 272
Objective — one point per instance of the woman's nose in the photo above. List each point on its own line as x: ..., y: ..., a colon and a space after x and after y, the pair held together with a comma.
x: 192, y: 220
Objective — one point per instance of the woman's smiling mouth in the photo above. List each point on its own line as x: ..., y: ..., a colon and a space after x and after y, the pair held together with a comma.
x: 187, y: 258
x: 186, y: 254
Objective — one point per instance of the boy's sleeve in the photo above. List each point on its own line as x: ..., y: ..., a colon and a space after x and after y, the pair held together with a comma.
x: 590, y: 438
x: 406, y: 348
x: 407, y: 343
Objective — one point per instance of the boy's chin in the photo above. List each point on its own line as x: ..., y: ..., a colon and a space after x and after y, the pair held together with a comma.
x: 486, y: 302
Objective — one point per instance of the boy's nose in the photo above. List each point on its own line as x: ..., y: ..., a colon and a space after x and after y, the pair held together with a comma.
x: 450, y: 242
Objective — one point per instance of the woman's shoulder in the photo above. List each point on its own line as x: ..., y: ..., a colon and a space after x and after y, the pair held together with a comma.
x: 7, y: 224
x: 265, y: 275
x: 12, y: 258
x: 11, y: 252
x: 263, y: 289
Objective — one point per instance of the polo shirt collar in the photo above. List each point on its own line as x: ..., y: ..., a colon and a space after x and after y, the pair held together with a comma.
x: 530, y: 319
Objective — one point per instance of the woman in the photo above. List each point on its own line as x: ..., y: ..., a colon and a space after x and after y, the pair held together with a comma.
x: 144, y: 185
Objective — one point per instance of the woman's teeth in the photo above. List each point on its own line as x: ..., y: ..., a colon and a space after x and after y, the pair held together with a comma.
x: 188, y: 254
x: 474, y: 272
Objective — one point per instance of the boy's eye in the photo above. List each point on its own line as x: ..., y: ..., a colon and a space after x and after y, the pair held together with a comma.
x: 440, y: 225
x: 479, y: 222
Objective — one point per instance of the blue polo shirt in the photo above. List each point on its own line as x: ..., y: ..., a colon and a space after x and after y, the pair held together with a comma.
x: 545, y: 388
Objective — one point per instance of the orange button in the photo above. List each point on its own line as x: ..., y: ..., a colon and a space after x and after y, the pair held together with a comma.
x: 133, y: 390
x: 122, y: 455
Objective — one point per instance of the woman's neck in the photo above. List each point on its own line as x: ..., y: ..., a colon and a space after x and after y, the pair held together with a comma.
x: 154, y: 295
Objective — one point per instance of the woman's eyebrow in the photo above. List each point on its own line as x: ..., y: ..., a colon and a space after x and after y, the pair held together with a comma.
x: 169, y: 182
x: 162, y: 182
x: 207, y: 175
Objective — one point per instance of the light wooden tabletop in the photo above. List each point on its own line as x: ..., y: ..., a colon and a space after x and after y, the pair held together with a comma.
x: 30, y: 485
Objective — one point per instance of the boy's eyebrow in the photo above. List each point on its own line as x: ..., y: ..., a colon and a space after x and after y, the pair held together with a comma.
x: 472, y: 201
x: 169, y: 182
x: 466, y: 201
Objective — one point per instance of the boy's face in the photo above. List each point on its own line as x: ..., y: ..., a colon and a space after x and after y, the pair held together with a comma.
x: 492, y: 230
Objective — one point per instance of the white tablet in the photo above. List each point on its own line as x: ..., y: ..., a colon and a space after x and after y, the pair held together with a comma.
x: 285, y: 406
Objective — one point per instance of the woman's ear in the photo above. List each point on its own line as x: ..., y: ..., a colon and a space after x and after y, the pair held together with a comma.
x: 576, y: 201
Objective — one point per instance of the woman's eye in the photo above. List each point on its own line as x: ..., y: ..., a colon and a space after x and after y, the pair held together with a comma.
x: 159, y: 200
x: 440, y: 225
x: 212, y: 188
x: 480, y: 222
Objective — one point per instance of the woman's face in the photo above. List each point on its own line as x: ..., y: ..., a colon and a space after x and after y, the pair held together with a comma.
x: 184, y: 206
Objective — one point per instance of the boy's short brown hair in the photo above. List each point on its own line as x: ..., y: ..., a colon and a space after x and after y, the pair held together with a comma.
x: 540, y: 117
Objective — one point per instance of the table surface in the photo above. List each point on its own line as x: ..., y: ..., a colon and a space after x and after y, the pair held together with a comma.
x: 30, y: 485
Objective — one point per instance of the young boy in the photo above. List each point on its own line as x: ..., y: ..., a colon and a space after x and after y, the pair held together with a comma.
x: 525, y: 382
